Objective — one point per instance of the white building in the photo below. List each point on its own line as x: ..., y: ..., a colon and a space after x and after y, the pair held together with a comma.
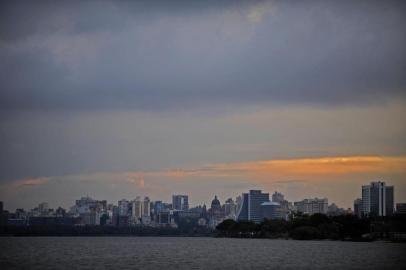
x: 230, y: 209
x: 312, y: 206
x: 141, y: 211
x: 123, y: 206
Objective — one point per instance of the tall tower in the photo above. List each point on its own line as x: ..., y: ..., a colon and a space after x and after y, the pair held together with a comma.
x: 377, y: 199
x: 180, y: 202
x: 137, y: 208
x: 123, y: 207
x: 251, y: 205
x: 146, y: 211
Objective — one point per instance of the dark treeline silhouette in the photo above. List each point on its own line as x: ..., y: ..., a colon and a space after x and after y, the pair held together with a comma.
x: 300, y: 227
x: 319, y: 226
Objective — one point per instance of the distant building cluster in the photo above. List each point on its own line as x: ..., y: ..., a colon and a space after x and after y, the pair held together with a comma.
x: 137, y: 212
x: 257, y: 206
x: 377, y: 200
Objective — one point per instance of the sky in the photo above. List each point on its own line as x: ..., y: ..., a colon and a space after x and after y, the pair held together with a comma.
x: 118, y: 99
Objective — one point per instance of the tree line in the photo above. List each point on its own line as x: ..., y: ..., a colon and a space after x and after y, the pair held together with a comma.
x: 318, y: 226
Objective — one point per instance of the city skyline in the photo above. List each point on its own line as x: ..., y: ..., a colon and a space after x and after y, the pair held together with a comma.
x: 145, y: 216
x: 254, y: 206
x: 202, y: 134
x: 181, y: 202
x: 118, y: 99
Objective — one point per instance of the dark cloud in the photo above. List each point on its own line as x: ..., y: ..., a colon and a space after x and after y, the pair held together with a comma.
x: 154, y: 55
x: 21, y: 19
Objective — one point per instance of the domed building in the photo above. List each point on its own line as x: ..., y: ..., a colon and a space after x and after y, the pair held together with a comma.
x: 215, y: 203
x: 216, y: 213
x: 216, y: 210
x: 271, y: 210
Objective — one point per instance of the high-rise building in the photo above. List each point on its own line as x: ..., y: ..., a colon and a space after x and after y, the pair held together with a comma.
x: 114, y: 215
x: 146, y: 207
x: 278, y: 197
x: 230, y: 209
x: 242, y: 213
x: 158, y: 207
x: 85, y: 201
x: 358, y: 207
x: 377, y: 199
x: 123, y: 207
x: 238, y: 202
x: 180, y: 202
x: 389, y: 200
x: 87, y: 205
x: 137, y: 208
x: 251, y: 205
x: 284, y: 204
x: 312, y: 206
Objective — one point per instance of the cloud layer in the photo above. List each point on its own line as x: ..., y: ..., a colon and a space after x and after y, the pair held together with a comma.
x: 50, y: 144
x: 338, y: 178
x: 154, y: 55
x: 133, y: 89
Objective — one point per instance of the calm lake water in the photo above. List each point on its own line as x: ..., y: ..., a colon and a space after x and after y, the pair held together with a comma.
x: 195, y: 253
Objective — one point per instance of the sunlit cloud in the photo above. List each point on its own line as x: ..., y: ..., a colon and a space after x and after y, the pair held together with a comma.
x: 141, y: 183
x: 317, y: 166
x: 305, y: 167
x: 338, y: 178
x: 277, y: 170
x: 31, y: 181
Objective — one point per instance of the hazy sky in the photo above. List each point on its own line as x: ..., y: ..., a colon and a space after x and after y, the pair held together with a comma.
x: 115, y: 99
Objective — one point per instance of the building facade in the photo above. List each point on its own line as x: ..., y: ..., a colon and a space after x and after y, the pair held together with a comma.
x: 271, y: 210
x: 180, y: 202
x: 123, y: 207
x: 251, y: 205
x: 230, y: 209
x: 377, y: 199
x: 284, y: 204
x: 137, y: 208
x: 358, y: 208
x: 312, y: 206
x: 278, y: 197
x: 146, y: 207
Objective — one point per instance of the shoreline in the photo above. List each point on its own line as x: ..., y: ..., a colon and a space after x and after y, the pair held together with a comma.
x: 383, y: 240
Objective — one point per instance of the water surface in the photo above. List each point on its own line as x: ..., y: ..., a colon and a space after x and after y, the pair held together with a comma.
x: 195, y: 253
